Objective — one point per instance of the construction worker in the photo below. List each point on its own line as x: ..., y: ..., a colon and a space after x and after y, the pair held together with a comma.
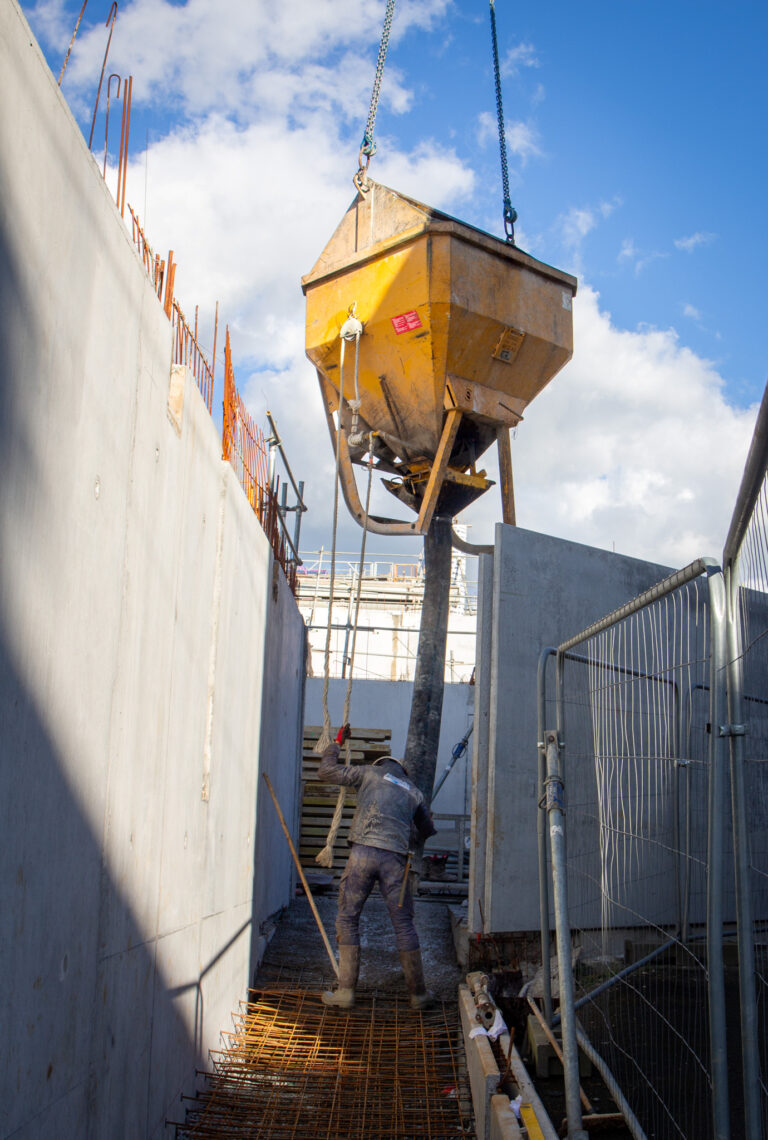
x: 391, y: 817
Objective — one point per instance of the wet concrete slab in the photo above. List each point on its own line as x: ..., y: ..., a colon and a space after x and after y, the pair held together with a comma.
x: 296, y: 948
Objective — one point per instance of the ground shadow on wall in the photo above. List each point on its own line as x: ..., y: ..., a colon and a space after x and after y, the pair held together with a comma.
x: 81, y: 1030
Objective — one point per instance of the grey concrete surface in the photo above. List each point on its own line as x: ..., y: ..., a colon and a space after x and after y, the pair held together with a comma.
x: 150, y: 664
x: 544, y: 590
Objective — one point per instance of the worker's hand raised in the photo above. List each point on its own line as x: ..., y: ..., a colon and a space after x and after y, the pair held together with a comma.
x: 343, y: 734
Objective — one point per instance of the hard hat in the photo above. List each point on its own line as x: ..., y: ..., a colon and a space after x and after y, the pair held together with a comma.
x: 402, y: 763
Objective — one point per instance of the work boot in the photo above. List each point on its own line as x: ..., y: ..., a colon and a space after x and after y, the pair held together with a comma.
x: 414, y: 979
x: 343, y: 997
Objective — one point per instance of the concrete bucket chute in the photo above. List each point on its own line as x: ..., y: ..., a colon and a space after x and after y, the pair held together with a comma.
x: 460, y: 331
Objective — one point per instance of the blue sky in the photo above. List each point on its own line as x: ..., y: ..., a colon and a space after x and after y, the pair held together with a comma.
x: 637, y: 160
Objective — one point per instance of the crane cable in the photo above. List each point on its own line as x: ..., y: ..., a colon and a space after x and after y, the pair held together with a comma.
x: 510, y: 213
x: 368, y: 146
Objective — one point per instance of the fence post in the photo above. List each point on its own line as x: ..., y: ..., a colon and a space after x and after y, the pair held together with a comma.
x: 541, y: 832
x: 718, y: 754
x: 750, y: 1050
x: 556, y: 814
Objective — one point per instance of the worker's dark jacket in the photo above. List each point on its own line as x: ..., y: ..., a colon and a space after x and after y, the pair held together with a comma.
x: 388, y: 803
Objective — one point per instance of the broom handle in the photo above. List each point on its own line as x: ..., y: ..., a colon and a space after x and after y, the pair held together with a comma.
x: 302, y: 876
x: 558, y: 1051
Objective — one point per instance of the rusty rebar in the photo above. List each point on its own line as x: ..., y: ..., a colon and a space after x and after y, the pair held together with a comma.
x: 292, y: 1068
x: 114, y: 75
x: 71, y: 43
x: 110, y: 23
x: 127, y: 97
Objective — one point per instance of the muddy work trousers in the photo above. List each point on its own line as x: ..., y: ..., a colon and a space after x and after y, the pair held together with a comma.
x: 365, y: 867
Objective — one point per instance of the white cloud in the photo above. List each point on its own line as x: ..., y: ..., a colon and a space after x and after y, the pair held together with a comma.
x: 227, y: 56
x: 523, y: 140
x: 691, y: 312
x: 577, y: 223
x: 487, y: 128
x: 647, y: 259
x: 639, y: 259
x: 689, y: 244
x: 633, y: 443
x: 522, y: 55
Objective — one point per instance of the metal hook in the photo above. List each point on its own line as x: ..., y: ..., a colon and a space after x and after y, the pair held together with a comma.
x: 111, y: 25
x: 114, y: 75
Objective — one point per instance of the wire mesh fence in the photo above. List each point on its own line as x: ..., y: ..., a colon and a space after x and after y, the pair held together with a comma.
x: 642, y: 903
x: 634, y: 727
x: 660, y: 721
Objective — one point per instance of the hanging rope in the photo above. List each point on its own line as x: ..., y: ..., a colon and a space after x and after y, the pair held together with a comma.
x: 510, y: 213
x: 351, y: 330
x: 368, y: 146
x: 325, y: 857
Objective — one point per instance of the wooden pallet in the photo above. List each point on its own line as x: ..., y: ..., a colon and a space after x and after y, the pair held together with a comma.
x: 319, y: 799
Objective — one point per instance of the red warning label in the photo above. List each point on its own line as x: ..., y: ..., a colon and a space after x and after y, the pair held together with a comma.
x: 406, y: 322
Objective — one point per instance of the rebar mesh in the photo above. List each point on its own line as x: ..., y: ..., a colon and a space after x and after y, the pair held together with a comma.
x: 294, y: 1068
x: 752, y: 596
x: 636, y: 769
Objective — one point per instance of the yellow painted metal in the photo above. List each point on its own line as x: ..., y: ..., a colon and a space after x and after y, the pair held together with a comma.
x: 531, y: 1122
x: 452, y: 317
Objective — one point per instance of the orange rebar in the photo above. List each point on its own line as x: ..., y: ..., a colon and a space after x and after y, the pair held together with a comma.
x: 127, y: 117
x: 292, y: 1068
x: 111, y: 25
x: 114, y: 75
x: 71, y: 43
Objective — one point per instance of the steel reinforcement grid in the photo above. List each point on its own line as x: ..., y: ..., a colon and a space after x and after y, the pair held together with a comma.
x: 294, y: 1068
x: 634, y: 785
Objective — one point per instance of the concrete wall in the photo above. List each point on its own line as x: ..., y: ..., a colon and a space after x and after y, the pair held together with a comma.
x: 533, y: 592
x: 387, y: 704
x: 148, y: 658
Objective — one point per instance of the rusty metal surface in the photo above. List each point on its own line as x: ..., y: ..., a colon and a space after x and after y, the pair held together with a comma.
x: 243, y: 444
x: 460, y: 332
x: 294, y: 1068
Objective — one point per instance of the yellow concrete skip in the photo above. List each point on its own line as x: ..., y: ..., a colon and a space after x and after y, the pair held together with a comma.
x: 442, y: 304
x: 454, y: 320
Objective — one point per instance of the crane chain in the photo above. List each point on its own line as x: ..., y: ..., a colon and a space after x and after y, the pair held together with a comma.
x: 368, y: 145
x: 510, y: 213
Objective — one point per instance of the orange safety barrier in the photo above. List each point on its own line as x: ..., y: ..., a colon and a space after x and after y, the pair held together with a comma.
x: 244, y: 446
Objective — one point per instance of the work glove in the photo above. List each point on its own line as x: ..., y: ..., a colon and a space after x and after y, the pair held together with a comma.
x: 344, y: 732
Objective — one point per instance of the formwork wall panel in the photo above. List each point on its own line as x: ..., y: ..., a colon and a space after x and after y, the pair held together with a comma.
x: 135, y: 607
x: 544, y: 590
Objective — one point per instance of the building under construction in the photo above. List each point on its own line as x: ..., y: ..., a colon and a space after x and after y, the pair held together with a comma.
x: 593, y: 908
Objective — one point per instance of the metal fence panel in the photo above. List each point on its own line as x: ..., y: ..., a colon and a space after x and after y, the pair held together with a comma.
x: 645, y: 808
x: 749, y: 593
